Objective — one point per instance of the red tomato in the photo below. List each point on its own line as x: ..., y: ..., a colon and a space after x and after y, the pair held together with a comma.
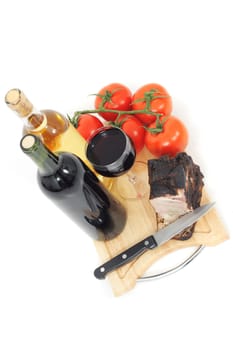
x: 134, y: 129
x: 87, y: 124
x: 157, y: 104
x: 172, y: 140
x: 113, y: 96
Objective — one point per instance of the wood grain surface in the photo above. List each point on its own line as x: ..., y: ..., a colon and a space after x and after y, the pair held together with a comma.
x: 141, y: 222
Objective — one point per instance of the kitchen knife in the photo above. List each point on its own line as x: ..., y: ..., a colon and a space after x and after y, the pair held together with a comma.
x: 153, y: 241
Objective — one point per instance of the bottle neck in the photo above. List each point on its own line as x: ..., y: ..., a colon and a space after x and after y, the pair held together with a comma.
x: 34, y: 120
x: 46, y: 160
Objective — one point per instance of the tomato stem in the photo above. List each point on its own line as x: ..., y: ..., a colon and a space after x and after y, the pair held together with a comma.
x: 154, y: 130
x: 75, y: 119
x: 158, y: 125
x: 149, y: 96
x: 103, y: 110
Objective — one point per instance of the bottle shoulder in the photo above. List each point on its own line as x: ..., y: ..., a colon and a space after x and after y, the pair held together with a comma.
x: 50, y: 125
x: 69, y: 172
x: 56, y: 120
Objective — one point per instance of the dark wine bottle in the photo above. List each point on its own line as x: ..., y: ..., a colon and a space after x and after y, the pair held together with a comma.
x: 73, y: 187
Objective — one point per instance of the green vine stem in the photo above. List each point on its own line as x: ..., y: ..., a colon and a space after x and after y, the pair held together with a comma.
x: 158, y: 126
x: 103, y: 110
x: 77, y: 114
x: 148, y: 98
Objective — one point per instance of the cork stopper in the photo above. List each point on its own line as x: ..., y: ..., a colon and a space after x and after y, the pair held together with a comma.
x: 18, y: 102
x: 28, y: 142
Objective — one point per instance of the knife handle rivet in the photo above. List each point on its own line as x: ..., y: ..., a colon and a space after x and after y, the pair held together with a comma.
x: 146, y: 243
x: 124, y: 256
x: 102, y: 269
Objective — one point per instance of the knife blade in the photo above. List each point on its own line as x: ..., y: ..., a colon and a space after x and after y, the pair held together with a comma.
x: 160, y: 237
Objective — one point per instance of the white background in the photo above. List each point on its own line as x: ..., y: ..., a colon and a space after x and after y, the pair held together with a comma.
x: 58, y: 52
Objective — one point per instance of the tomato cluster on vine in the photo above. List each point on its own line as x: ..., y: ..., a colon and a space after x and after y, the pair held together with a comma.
x: 145, y: 116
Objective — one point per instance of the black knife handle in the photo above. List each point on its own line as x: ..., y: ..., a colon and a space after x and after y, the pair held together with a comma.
x: 126, y: 256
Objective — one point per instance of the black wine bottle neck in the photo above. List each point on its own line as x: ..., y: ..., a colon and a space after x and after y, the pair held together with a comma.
x: 46, y: 161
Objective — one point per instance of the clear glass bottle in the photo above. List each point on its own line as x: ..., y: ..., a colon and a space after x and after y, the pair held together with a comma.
x: 55, y: 130
x: 66, y: 180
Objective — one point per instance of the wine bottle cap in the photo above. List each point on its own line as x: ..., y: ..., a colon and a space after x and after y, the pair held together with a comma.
x: 18, y: 102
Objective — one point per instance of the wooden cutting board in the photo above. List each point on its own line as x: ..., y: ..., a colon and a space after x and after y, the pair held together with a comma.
x: 141, y: 222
